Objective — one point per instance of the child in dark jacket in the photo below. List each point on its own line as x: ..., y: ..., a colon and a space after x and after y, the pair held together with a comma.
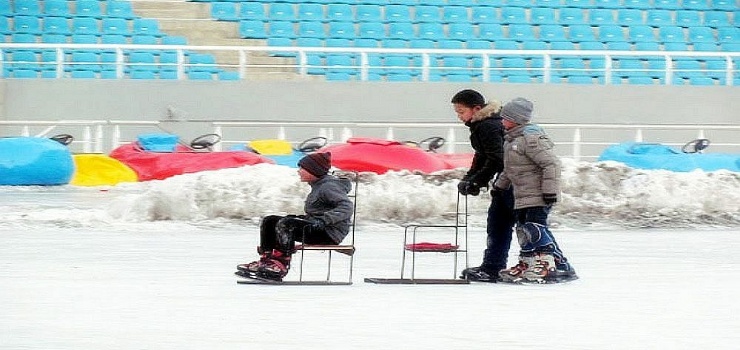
x: 327, y: 220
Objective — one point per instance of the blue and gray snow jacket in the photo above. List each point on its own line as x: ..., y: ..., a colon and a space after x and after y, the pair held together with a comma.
x: 328, y: 201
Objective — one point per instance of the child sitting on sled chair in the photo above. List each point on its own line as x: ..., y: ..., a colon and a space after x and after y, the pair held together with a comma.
x: 327, y: 220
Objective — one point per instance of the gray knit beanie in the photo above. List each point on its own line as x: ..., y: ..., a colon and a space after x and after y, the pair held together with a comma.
x: 518, y: 110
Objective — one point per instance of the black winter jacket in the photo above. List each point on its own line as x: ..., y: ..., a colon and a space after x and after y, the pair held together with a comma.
x: 329, y: 202
x: 487, y: 139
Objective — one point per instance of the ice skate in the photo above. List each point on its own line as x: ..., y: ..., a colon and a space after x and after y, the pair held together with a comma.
x: 479, y: 274
x: 275, y: 267
x: 515, y: 273
x: 542, y: 270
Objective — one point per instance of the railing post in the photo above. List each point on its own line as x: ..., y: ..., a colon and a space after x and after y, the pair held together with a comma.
x: 346, y: 134
x: 638, y: 135
x: 25, y: 131
x: 218, y: 131
x: 577, y: 144
x: 87, y: 139
x: 281, y: 133
x: 451, y: 140
x: 115, y: 137
x: 389, y: 133
x: 98, y: 139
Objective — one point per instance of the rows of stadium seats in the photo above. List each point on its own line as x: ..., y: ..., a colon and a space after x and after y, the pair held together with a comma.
x: 513, y: 25
x: 93, y: 22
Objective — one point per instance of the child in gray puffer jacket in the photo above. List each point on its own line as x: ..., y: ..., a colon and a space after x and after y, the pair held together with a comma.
x: 533, y: 170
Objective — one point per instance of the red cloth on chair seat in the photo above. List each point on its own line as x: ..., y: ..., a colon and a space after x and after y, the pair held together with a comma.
x: 432, y: 247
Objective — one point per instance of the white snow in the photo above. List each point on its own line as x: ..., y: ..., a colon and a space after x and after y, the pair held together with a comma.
x: 149, y: 266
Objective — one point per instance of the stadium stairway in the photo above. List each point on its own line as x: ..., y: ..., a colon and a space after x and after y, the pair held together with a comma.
x: 193, y: 21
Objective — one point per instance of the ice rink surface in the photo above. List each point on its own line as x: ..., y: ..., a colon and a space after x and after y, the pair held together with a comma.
x: 174, y: 289
x: 150, y: 266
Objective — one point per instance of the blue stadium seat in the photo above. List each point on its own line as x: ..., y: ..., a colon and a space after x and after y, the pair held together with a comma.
x: 569, y: 16
x: 671, y: 34
x: 716, y: 19
x: 342, y: 30
x: 393, y: 43
x: 609, y: 4
x: 519, y: 3
x: 675, y: 46
x: 433, y: 31
x: 144, y: 39
x: 599, y: 16
x: 119, y: 9
x: 513, y: 15
x: 647, y: 46
x: 688, y: 19
x: 281, y: 11
x: 26, y: 8
x: 199, y: 75
x: 581, y: 32
x: 396, y: 64
x: 283, y: 29
x: 118, y: 26
x: 252, y: 11
x: 174, y: 40
x: 88, y: 8
x: 549, y: 3
x: 579, y: 79
x: 479, y: 45
x: 426, y: 13
x: 26, y: 24
x: 224, y: 11
x: 401, y: 30
x: 372, y: 30
x: 640, y: 80
x: 85, y: 25
x: 700, y: 5
x: 252, y: 29
x: 579, y: 4
x: 366, y: 42
x: 724, y: 5
x: 56, y: 25
x: 687, y: 68
x: 311, y: 29
x: 455, y: 14
x: 422, y: 44
x: 610, y: 33
x: 146, y: 26
x: 397, y: 13
x: 730, y: 47
x: 84, y: 39
x: 340, y: 63
x: 667, y: 4
x: 637, y: 4
x: 619, y: 46
x: 24, y: 38
x: 506, y: 45
x: 728, y: 34
x: 50, y: 38
x: 56, y: 8
x: 641, y: 33
x: 629, y: 17
x: 368, y: 13
x: 490, y: 31
x: 337, y: 12
x: 701, y: 35
x: 5, y: 26
x: 542, y: 15
x: 484, y: 14
x: 201, y: 62
x: 462, y: 31
x: 591, y: 45
x: 562, y: 45
x: 309, y: 12
x: 25, y: 73
x: 521, y: 32
x: 552, y: 32
x: 659, y: 18
x: 23, y: 59
x: 85, y: 60
x: 701, y: 81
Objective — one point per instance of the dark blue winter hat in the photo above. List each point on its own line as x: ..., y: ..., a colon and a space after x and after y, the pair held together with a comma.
x: 317, y: 164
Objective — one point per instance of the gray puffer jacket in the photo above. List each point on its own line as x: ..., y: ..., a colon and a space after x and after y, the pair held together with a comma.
x: 530, y: 165
x: 329, y: 202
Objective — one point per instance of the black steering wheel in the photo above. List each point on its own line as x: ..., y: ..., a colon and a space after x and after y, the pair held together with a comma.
x: 205, y: 141
x: 64, y: 139
x: 695, y: 146
x: 433, y: 143
x: 312, y: 144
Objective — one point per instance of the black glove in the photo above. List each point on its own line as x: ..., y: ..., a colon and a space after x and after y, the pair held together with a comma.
x: 549, y: 198
x: 316, y: 224
x: 466, y: 187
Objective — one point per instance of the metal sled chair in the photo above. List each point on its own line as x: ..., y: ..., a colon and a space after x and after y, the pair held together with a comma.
x: 347, y: 248
x: 411, y: 246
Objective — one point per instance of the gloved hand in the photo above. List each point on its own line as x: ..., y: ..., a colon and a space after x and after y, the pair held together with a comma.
x: 466, y: 187
x: 316, y: 224
x: 496, y: 192
x: 549, y: 198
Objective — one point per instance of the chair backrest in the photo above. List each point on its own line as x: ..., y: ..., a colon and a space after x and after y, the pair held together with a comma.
x: 281, y: 11
x: 368, y: 13
x: 309, y: 12
x: 427, y: 13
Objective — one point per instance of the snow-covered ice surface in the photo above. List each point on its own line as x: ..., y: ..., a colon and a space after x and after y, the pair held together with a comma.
x: 149, y: 266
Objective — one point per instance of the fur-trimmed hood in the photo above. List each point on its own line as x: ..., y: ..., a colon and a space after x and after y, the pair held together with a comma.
x: 493, y: 107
